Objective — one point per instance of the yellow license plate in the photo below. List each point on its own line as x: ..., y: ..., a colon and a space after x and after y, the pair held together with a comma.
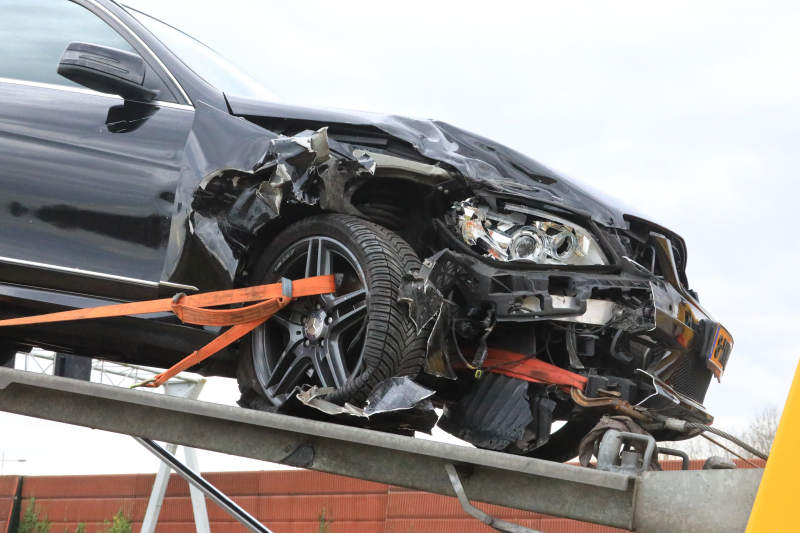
x: 719, y: 351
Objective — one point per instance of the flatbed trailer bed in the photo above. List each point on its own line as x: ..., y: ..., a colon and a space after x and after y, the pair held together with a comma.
x: 655, y: 502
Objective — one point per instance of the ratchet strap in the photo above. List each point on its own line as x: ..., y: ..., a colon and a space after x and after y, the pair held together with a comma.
x: 192, y: 310
x: 531, y: 369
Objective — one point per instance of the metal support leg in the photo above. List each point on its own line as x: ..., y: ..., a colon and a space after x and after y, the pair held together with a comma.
x: 157, y: 495
x: 194, y: 479
x: 190, y: 391
x: 198, y: 498
x: 494, y: 523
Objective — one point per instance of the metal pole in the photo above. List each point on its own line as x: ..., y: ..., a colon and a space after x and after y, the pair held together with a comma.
x: 242, y: 516
x: 3, y: 462
x: 157, y: 495
x: 189, y: 391
x: 198, y: 499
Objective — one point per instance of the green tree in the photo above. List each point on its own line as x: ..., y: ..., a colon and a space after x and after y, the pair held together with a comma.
x: 31, y: 523
x: 120, y: 523
x: 761, y: 431
x: 324, y: 521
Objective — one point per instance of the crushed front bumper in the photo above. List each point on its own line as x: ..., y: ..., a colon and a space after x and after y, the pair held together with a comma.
x: 667, y: 338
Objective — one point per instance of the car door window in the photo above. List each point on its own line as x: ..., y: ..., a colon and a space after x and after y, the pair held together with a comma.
x: 204, y: 61
x: 35, y: 33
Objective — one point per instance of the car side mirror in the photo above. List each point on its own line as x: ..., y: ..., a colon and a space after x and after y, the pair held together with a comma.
x: 106, y: 70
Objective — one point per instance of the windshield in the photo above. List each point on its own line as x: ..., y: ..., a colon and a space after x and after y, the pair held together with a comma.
x: 204, y: 61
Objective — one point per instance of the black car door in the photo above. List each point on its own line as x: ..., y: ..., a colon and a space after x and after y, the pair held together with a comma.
x: 87, y: 180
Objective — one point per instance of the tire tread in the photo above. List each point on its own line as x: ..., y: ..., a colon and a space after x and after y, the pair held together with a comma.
x: 392, y: 346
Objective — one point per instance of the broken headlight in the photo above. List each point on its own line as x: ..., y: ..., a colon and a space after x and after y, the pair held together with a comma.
x: 524, y: 233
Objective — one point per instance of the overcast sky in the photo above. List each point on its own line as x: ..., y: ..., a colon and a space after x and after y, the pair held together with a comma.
x: 687, y: 110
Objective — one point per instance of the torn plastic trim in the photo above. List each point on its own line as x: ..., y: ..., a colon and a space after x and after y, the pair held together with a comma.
x: 666, y: 258
x: 422, y: 292
x: 393, y: 394
x: 395, y: 402
x: 235, y: 178
x: 668, y: 402
x: 217, y: 142
x: 424, y: 299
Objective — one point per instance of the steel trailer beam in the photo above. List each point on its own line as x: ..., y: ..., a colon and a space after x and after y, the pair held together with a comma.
x: 567, y: 491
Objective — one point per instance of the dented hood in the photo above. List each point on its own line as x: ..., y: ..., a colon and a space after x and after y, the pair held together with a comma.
x: 486, y: 164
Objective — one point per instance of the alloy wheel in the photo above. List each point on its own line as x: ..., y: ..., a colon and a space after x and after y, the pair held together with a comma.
x: 316, y: 340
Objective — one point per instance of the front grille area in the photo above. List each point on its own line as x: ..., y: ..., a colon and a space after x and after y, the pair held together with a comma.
x: 692, y: 378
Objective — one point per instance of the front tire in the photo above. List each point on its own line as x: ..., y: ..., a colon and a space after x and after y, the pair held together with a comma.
x: 351, y: 340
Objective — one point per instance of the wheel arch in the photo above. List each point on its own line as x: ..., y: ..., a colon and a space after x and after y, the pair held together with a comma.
x: 399, y: 204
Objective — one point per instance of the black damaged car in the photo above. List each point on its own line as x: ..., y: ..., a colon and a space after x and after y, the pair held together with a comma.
x: 136, y: 163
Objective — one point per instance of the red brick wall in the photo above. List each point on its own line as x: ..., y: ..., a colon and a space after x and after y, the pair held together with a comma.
x: 285, y: 501
x: 8, y: 489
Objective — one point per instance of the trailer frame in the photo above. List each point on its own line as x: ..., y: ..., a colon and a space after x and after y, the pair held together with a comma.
x: 655, y: 502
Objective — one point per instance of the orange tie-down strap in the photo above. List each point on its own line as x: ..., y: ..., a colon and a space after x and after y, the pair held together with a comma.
x: 190, y: 309
x: 530, y: 369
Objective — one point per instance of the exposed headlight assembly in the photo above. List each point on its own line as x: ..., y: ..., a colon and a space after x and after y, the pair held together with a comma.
x: 523, y: 233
